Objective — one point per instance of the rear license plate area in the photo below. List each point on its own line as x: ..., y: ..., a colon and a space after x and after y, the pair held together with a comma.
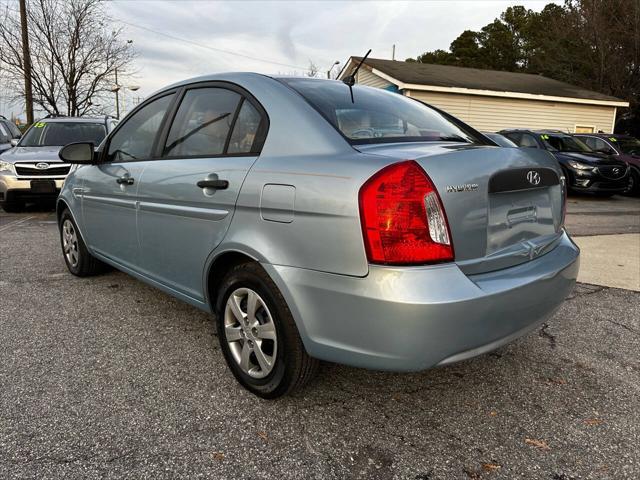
x: 518, y: 216
x: 43, y: 186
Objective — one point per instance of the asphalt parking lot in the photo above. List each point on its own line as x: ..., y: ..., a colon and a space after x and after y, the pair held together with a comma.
x: 109, y: 378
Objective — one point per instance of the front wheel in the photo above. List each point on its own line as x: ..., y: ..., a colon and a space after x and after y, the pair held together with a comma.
x: 633, y: 188
x: 78, y: 259
x: 258, y: 336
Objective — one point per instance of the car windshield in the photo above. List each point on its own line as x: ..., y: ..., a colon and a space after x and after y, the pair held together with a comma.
x: 376, y: 115
x: 564, y: 143
x: 629, y: 145
x: 43, y: 134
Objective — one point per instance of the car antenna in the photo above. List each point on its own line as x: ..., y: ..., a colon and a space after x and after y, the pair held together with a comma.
x: 350, y: 80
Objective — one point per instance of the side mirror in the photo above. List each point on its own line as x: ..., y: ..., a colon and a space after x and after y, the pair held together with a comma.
x: 81, y: 153
x: 14, y: 142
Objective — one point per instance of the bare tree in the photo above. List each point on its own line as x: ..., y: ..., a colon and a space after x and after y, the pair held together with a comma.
x: 313, y: 70
x: 75, y: 54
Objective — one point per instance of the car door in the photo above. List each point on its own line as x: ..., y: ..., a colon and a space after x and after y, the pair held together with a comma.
x: 109, y: 208
x: 187, y: 197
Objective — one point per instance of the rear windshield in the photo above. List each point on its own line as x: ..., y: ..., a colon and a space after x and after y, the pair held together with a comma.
x: 43, y: 134
x: 630, y: 146
x: 564, y: 143
x: 376, y: 115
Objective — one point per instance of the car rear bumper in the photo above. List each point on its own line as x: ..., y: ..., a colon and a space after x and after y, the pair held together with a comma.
x: 14, y: 188
x: 406, y: 319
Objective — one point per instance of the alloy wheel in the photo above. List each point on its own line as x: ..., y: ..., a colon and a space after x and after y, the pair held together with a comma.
x: 250, y: 332
x: 70, y: 243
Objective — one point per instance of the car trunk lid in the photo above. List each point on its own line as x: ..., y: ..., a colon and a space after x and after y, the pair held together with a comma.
x: 504, y: 205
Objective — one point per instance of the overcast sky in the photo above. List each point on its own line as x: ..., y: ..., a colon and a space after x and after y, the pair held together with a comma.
x: 289, y: 34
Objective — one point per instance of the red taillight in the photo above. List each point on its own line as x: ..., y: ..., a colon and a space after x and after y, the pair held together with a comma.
x: 403, y: 221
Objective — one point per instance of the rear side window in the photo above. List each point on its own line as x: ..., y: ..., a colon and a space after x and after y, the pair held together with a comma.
x: 202, y: 123
x: 245, y: 129
x: 375, y: 115
x: 135, y: 137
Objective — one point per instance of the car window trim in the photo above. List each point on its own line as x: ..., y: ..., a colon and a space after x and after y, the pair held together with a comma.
x: 105, y: 150
x: 261, y: 134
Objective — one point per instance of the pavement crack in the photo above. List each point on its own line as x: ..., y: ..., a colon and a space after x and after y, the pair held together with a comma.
x: 584, y: 289
x: 622, y: 325
x: 545, y: 334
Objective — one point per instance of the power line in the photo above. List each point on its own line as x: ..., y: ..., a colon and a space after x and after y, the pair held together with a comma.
x: 229, y: 52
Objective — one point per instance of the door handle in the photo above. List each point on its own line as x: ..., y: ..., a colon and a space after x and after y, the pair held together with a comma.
x: 124, y: 181
x: 215, y: 184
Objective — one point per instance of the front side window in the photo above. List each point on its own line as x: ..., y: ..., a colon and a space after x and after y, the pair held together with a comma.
x: 564, y: 143
x: 202, y: 123
x: 375, y: 115
x: 5, y: 137
x: 600, y: 145
x: 527, y: 141
x: 134, y: 139
x: 14, y: 131
x: 589, y: 141
x: 44, y: 134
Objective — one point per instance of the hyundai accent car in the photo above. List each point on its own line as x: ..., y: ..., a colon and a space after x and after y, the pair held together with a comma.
x: 585, y: 170
x: 322, y: 221
x: 32, y: 170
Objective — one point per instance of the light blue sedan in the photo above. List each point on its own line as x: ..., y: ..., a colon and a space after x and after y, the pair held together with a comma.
x: 322, y: 221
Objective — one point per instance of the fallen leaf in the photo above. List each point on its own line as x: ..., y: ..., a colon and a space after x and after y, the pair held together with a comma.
x: 263, y: 436
x: 593, y: 421
x: 219, y: 456
x: 491, y: 467
x: 541, y: 444
x: 556, y: 381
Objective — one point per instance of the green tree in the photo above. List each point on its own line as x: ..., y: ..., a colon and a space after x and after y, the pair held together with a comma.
x: 594, y: 44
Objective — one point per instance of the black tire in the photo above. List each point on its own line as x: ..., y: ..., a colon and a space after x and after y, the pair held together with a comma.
x: 634, y: 183
x: 293, y: 367
x: 86, y: 264
x: 12, y: 207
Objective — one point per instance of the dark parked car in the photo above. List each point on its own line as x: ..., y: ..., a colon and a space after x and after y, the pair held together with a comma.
x: 501, y: 140
x: 623, y: 147
x: 584, y: 169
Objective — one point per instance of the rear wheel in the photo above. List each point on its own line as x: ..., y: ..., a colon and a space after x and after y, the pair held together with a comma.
x: 258, y: 336
x: 78, y: 259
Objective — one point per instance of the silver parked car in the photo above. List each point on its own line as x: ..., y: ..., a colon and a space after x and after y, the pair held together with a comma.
x: 32, y: 170
x: 322, y: 222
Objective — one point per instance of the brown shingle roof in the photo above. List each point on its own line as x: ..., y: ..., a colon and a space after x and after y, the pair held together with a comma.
x: 478, y: 79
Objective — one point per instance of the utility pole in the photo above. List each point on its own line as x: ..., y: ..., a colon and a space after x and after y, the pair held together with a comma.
x: 116, y: 89
x: 28, y: 93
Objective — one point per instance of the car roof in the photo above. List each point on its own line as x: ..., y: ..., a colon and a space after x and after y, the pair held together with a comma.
x: 605, y: 135
x: 74, y: 119
x: 535, y: 132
